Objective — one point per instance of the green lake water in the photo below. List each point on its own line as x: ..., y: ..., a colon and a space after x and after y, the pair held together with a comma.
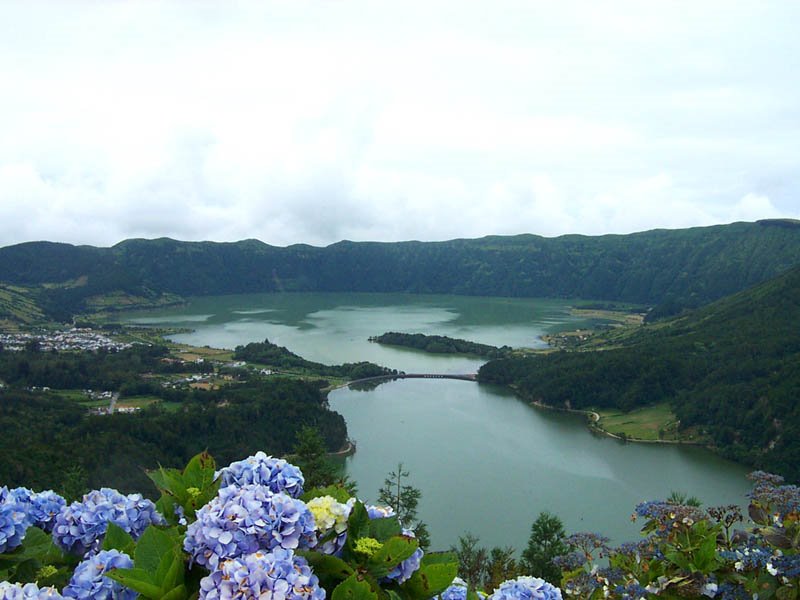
x: 485, y: 461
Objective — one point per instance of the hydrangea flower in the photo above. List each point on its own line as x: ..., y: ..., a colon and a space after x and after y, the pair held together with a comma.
x: 278, y: 575
x: 89, y: 582
x: 526, y: 588
x: 14, y: 522
x: 275, y: 473
x: 331, y: 517
x: 42, y: 507
x: 25, y: 591
x: 457, y: 591
x: 243, y: 520
x: 379, y: 512
x: 80, y: 527
x: 403, y: 572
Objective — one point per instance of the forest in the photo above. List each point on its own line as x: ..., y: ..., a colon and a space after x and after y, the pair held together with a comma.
x: 49, y: 437
x: 672, y: 268
x: 731, y: 368
x: 439, y: 344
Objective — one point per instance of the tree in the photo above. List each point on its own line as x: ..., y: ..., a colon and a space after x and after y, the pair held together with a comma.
x: 310, y: 455
x: 404, y: 499
x: 544, y: 544
x: 502, y: 566
x: 471, y: 560
x: 676, y: 497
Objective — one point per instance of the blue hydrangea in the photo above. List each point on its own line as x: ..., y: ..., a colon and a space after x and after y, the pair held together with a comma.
x: 41, y: 507
x: 403, y: 572
x: 379, y: 512
x: 243, y: 520
x: 275, y: 473
x: 278, y: 574
x: 457, y: 591
x: 90, y: 583
x: 526, y: 588
x: 26, y: 591
x: 80, y: 527
x: 14, y: 522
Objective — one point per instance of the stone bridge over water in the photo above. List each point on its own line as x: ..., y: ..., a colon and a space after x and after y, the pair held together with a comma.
x: 462, y: 377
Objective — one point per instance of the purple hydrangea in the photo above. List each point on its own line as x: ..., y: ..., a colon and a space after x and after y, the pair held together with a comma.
x: 278, y: 574
x: 26, y: 591
x: 526, y: 588
x: 274, y: 473
x: 243, y: 520
x: 14, y: 522
x: 80, y: 527
x: 90, y: 583
x: 403, y: 572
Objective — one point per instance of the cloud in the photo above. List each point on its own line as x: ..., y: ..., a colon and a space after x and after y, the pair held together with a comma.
x: 313, y: 123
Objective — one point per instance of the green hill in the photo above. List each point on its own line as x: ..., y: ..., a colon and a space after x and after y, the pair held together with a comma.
x: 675, y: 268
x: 731, y: 368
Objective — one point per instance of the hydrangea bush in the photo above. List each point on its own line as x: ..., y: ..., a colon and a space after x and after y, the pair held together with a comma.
x: 250, y: 531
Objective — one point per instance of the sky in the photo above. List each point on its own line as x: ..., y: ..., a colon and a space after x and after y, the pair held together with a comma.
x: 314, y: 122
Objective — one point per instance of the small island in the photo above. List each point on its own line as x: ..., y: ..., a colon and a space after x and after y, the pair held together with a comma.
x: 440, y: 344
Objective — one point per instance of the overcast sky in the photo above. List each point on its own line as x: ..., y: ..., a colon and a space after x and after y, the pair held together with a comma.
x: 320, y: 121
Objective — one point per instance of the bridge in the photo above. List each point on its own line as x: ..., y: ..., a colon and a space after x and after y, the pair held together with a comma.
x: 462, y: 377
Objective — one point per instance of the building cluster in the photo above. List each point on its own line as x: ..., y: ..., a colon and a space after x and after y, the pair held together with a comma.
x: 70, y: 339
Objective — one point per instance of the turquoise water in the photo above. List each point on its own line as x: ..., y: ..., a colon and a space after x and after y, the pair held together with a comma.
x: 485, y: 461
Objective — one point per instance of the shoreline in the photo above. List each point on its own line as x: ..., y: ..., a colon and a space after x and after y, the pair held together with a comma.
x: 594, y: 419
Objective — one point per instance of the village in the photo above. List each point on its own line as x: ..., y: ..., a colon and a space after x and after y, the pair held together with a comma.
x: 71, y: 339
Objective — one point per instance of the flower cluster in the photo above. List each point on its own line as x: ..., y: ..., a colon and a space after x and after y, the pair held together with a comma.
x: 14, y: 521
x: 274, y: 473
x: 41, y: 507
x: 781, y: 500
x: 80, y: 527
x: 90, y: 583
x: 403, y: 572
x: 330, y: 517
x: 244, y: 520
x: 526, y: 588
x: 588, y: 543
x: 278, y: 574
x: 27, y: 591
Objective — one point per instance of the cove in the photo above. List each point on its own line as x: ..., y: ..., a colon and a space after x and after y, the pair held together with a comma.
x: 486, y: 462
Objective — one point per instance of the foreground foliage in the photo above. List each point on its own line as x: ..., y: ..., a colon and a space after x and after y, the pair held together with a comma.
x: 252, y: 531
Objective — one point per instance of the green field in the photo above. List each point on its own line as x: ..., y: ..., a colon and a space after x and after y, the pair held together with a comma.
x: 656, y: 422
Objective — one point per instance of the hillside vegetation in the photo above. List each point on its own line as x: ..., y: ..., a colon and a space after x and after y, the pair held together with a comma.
x: 731, y: 368
x: 674, y: 268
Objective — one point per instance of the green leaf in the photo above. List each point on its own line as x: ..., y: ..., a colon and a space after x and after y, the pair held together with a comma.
x: 383, y: 529
x: 786, y: 592
x: 151, y: 549
x: 353, y: 589
x: 325, y: 565
x: 117, y: 538
x: 438, y: 558
x: 358, y: 522
x: 392, y: 553
x: 178, y: 593
x: 170, y: 571
x: 138, y: 580
x: 431, y: 580
x: 199, y: 473
x: 163, y: 478
x: 336, y: 491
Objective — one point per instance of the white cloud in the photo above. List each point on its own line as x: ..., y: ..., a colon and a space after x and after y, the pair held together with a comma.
x: 309, y: 122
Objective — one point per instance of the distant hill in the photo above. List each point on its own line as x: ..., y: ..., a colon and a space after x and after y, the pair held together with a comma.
x: 731, y: 368
x: 675, y: 268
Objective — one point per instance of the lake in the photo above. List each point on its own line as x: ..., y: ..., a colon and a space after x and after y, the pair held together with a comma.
x: 486, y: 462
